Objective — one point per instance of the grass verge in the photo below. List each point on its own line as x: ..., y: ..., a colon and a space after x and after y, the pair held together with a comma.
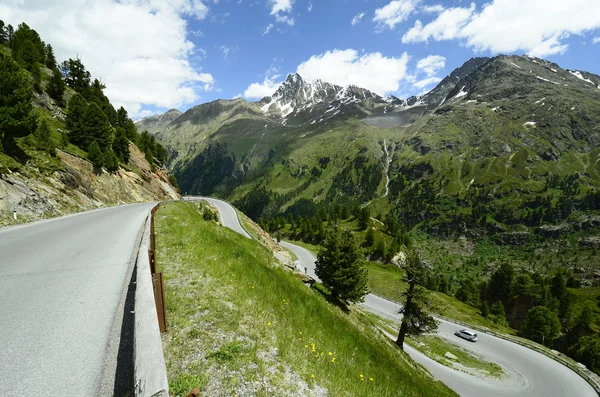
x: 435, y: 348
x: 239, y: 325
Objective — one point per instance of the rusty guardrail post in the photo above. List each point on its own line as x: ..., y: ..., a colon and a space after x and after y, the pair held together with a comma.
x: 157, y: 279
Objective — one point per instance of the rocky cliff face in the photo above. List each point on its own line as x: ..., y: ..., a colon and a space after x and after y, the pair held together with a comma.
x: 79, y: 187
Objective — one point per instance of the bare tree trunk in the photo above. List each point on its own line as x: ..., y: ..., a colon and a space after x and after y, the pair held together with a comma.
x: 404, y: 326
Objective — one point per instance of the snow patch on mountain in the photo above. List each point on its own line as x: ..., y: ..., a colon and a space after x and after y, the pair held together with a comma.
x: 543, y: 79
x: 578, y: 74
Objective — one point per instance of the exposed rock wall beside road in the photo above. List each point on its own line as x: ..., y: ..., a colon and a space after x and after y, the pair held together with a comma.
x: 79, y: 187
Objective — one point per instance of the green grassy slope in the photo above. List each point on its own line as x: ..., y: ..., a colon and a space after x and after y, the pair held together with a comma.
x: 239, y: 323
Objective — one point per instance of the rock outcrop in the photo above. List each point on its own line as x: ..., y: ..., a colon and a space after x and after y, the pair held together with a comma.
x: 32, y: 195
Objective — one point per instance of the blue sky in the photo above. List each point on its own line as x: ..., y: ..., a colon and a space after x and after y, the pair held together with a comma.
x: 240, y: 26
x: 158, y: 54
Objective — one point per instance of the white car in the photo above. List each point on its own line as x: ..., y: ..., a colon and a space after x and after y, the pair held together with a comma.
x: 467, y: 334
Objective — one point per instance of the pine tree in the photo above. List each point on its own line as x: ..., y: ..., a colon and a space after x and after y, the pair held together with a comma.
x: 10, y: 32
x: 75, y: 120
x: 111, y: 162
x: 128, y: 125
x: 363, y: 218
x: 44, y: 138
x: 369, y: 238
x: 56, y: 87
x: 27, y: 47
x: 75, y: 74
x: 541, y: 325
x: 340, y: 266
x: 95, y: 155
x: 50, y: 58
x: 64, y: 139
x: 415, y: 318
x: 500, y: 285
x: 173, y: 182
x: 36, y: 73
x: 96, y: 128
x: 3, y: 33
x: 95, y: 93
x: 121, y: 145
x: 17, y: 118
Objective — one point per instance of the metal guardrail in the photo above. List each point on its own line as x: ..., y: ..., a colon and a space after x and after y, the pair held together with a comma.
x: 589, y: 376
x: 150, y: 371
x: 157, y: 279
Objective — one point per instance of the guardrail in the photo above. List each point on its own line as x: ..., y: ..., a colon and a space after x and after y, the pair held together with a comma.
x: 150, y: 371
x: 157, y: 279
x: 589, y: 376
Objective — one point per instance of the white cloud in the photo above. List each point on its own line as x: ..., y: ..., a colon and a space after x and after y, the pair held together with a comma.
x: 431, y: 64
x: 446, y: 26
x: 285, y: 19
x: 357, y: 18
x: 434, y: 9
x: 310, y: 6
x: 394, y: 13
x: 268, y: 29
x: 283, y: 6
x: 512, y: 25
x: 145, y: 60
x: 266, y: 88
x: 261, y: 90
x: 426, y: 82
x: 596, y: 40
x: 372, y: 71
x: 227, y: 50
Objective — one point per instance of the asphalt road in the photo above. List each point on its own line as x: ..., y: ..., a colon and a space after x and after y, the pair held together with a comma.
x: 529, y: 374
x: 61, y: 285
x: 227, y: 213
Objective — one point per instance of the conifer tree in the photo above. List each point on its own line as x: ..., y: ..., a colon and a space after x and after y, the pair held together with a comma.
x: 44, y: 138
x: 56, y: 87
x: 50, y: 58
x: 111, y: 162
x: 96, y: 128
x: 121, y: 145
x: 95, y: 155
x: 10, y: 32
x: 95, y: 93
x: 36, y: 73
x: 340, y: 266
x: 17, y: 118
x: 75, y: 74
x: 27, y: 47
x: 75, y: 120
x: 369, y: 238
x: 541, y: 325
x: 415, y: 318
x: 128, y: 125
x: 3, y: 33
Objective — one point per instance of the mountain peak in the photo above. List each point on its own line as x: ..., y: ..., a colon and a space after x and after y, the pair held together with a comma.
x: 294, y: 78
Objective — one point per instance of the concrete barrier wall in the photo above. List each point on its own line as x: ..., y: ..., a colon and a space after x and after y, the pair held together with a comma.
x: 150, y: 371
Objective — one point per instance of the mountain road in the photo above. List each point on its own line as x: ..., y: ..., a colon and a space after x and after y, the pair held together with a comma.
x: 528, y: 373
x: 62, y: 286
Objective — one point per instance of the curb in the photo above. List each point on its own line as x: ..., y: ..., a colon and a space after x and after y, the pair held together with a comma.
x: 150, y: 371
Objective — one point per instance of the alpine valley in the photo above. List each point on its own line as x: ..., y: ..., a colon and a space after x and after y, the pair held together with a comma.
x: 500, y: 161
